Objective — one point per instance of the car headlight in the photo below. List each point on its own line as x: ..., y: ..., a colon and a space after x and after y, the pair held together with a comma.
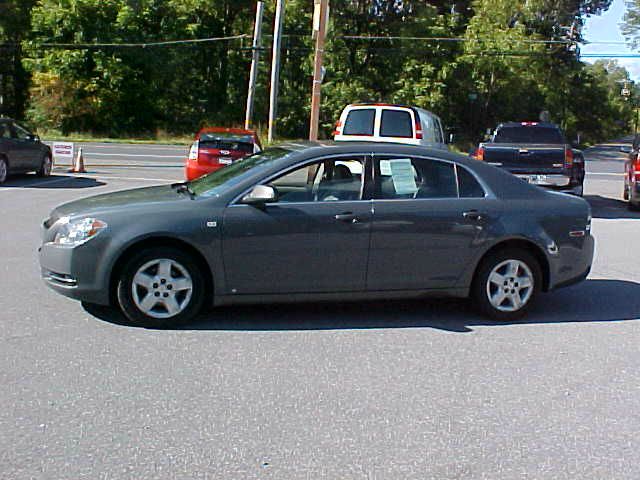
x: 75, y: 232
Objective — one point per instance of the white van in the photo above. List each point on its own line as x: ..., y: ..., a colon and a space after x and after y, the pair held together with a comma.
x: 382, y: 122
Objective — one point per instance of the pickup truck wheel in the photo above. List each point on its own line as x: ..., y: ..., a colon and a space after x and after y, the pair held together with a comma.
x: 160, y: 288
x: 506, y: 284
x: 4, y: 170
x: 45, y: 166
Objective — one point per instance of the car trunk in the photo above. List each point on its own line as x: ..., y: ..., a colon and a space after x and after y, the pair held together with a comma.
x: 222, y: 152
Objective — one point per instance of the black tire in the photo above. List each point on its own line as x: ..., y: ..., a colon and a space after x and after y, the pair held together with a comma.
x: 4, y: 170
x: 45, y: 168
x: 125, y: 290
x: 481, y: 288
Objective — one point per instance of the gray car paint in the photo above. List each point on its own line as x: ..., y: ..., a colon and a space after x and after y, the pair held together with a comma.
x: 270, y: 254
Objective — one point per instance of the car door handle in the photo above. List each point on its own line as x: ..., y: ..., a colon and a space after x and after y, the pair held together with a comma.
x: 347, y: 217
x: 473, y: 215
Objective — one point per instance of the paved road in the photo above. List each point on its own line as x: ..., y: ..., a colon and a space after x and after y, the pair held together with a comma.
x: 385, y: 390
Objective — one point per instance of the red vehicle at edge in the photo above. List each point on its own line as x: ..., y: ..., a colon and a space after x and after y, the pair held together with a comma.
x: 215, y: 148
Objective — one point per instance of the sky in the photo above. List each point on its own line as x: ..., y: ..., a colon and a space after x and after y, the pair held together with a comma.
x: 606, y: 28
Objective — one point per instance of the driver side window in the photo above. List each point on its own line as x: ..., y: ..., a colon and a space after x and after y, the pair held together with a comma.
x: 329, y: 180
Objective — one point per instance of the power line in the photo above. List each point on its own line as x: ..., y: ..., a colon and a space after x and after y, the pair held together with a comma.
x: 138, y: 45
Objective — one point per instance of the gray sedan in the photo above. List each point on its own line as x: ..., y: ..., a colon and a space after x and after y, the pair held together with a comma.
x: 320, y: 222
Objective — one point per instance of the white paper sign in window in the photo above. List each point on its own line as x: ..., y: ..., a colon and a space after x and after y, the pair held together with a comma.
x: 403, y: 176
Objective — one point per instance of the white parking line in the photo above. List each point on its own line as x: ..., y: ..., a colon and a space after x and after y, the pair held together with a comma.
x: 131, y: 155
x: 605, y: 174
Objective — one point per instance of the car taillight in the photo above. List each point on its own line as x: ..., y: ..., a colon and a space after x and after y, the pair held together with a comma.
x: 338, y: 129
x: 418, y: 129
x: 636, y: 170
x: 568, y: 158
x: 479, y: 154
x: 193, y: 152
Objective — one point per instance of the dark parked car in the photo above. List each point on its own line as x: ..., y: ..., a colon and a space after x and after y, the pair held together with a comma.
x: 21, y: 151
x: 538, y: 153
x: 320, y: 222
x: 631, y: 191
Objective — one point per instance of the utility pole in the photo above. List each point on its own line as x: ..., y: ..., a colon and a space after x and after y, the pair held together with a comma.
x: 275, y: 68
x: 257, y: 34
x: 320, y: 18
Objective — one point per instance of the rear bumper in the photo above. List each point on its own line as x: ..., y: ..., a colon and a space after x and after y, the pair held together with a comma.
x: 193, y: 171
x: 572, y: 264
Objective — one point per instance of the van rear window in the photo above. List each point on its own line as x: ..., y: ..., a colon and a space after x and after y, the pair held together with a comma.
x: 396, y: 123
x: 359, y: 122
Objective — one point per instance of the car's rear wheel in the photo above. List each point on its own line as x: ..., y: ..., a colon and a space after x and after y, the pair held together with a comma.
x: 4, y: 170
x: 45, y: 166
x: 161, y: 287
x: 506, y: 284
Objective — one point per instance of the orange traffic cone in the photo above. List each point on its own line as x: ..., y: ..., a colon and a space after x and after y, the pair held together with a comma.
x: 78, y: 165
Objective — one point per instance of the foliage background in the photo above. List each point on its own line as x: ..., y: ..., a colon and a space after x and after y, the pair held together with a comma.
x: 495, y: 74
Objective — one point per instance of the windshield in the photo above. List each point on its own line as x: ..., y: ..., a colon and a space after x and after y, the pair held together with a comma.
x: 235, y: 173
x: 528, y: 134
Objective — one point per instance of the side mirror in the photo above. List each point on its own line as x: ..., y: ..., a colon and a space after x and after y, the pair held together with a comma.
x: 625, y: 149
x: 259, y: 195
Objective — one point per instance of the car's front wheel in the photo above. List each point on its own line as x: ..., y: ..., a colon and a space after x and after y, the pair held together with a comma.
x: 161, y: 287
x: 45, y: 166
x: 506, y: 284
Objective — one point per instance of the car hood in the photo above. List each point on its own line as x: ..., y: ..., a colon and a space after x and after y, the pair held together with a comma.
x: 119, y: 200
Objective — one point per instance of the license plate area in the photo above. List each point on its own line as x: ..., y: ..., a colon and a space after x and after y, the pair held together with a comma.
x: 225, y: 160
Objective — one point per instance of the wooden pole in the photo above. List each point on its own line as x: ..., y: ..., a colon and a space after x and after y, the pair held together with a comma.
x: 275, y: 69
x: 322, y: 13
x: 257, y: 34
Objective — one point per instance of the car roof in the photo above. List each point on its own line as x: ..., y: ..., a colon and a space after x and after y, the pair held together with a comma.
x: 227, y: 130
x: 394, y: 105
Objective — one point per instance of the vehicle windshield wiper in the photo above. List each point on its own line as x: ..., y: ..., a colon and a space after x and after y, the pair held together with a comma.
x: 184, y: 187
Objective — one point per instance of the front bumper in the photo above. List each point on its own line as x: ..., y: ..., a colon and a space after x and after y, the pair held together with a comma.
x: 74, y: 272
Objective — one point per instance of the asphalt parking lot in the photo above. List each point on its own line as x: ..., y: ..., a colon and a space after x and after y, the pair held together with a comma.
x: 382, y: 390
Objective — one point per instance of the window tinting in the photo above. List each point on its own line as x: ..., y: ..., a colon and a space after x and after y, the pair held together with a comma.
x: 396, y: 123
x: 469, y: 186
x: 528, y: 134
x: 221, y: 144
x: 399, y: 178
x: 359, y: 122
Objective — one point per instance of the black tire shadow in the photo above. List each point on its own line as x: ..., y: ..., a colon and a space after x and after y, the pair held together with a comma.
x: 591, y: 301
x: 51, y: 182
x: 606, y: 207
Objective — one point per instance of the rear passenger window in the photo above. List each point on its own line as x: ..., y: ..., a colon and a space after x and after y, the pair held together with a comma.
x: 468, y: 185
x: 396, y: 123
x: 401, y: 178
x: 359, y: 122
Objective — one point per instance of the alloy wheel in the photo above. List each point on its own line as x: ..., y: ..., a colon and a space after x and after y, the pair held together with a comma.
x: 162, y: 288
x: 510, y: 285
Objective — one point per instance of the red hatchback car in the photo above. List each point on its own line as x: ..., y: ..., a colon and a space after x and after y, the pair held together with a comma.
x: 215, y: 148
